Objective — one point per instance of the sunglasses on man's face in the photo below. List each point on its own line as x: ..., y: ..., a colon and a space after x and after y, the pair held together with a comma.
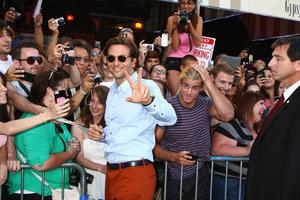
x: 121, y: 58
x: 31, y: 60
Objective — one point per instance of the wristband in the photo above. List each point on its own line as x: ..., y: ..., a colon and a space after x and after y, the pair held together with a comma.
x: 152, y: 99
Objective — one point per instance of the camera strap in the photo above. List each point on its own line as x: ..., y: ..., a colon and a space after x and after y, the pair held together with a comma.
x: 24, y: 88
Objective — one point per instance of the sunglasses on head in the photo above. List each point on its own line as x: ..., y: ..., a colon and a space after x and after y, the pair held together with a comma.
x: 121, y: 58
x: 31, y: 60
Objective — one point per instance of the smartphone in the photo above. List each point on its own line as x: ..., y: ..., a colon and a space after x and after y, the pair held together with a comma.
x: 261, y: 74
x: 60, y: 96
x: 28, y: 77
x: 233, y: 61
x: 98, y: 44
x: 194, y: 157
x: 164, y: 39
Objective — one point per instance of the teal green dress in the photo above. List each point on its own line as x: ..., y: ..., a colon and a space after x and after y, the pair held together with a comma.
x: 37, y: 144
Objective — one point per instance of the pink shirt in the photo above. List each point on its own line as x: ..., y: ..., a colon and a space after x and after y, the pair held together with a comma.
x: 184, y: 47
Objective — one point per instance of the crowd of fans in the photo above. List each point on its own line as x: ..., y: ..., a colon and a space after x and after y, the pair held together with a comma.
x: 219, y: 110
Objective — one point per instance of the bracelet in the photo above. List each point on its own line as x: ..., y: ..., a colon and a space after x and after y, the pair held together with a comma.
x: 152, y: 99
x: 82, y: 91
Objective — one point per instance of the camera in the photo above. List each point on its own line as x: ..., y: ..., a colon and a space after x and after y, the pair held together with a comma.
x: 66, y: 59
x: 75, y: 178
x: 184, y: 17
x: 150, y: 47
x: 60, y: 21
x: 98, y: 79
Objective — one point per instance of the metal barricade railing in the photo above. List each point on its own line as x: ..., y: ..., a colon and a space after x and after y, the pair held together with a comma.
x: 212, y: 161
x: 81, y: 170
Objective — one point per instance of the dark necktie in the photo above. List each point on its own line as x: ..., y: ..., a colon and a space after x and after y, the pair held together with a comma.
x: 271, y: 115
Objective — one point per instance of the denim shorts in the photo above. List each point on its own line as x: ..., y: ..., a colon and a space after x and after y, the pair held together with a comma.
x: 173, y: 63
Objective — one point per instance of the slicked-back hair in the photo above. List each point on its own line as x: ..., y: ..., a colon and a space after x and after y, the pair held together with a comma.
x: 293, y: 51
x: 133, y: 49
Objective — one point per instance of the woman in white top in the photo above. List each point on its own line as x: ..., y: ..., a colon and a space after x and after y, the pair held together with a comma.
x: 91, y: 155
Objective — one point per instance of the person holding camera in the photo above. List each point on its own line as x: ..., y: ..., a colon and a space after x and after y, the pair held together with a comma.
x: 185, y: 29
x: 189, y: 139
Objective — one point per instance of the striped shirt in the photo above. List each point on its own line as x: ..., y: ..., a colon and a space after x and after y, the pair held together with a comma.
x: 238, y: 131
x: 190, y: 133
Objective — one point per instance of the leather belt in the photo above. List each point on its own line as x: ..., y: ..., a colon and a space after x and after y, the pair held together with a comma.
x: 135, y: 163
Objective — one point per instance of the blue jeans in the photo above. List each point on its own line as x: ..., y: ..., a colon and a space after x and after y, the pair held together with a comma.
x: 232, y: 188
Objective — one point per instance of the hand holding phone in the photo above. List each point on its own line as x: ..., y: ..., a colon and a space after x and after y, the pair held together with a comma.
x: 193, y: 156
x: 164, y: 39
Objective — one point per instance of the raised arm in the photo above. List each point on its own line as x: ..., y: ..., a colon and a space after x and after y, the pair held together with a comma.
x: 221, y: 108
x: 16, y: 126
x: 21, y: 102
x: 150, y: 96
x: 38, y: 31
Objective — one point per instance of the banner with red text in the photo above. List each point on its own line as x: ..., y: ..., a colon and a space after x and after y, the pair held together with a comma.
x: 204, y: 52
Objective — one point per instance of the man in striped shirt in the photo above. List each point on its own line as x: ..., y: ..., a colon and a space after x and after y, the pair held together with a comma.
x: 189, y: 138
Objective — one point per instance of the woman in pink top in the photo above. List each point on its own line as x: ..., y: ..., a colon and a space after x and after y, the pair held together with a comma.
x: 185, y: 29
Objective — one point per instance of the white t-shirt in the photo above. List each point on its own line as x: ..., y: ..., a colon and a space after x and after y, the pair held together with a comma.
x: 4, y: 65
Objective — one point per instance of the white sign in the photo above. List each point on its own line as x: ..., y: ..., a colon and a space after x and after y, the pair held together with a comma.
x: 204, y: 52
x: 37, y: 9
x: 287, y: 9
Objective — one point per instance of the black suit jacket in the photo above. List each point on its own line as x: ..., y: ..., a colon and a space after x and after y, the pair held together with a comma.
x: 274, y: 166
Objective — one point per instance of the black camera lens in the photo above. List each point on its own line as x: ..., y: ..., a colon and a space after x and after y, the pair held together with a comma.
x: 89, y: 178
x: 98, y: 80
x: 66, y: 59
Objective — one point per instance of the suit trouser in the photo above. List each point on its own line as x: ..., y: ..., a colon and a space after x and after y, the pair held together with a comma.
x: 131, y: 183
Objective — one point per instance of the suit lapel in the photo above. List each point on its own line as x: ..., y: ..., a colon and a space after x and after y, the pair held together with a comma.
x: 286, y: 104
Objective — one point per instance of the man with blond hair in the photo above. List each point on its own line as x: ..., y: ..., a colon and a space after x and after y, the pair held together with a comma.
x: 189, y: 138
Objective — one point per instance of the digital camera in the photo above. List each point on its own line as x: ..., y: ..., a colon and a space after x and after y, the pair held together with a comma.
x: 150, y: 47
x: 66, y: 59
x: 184, y: 17
x: 75, y: 178
x: 60, y: 21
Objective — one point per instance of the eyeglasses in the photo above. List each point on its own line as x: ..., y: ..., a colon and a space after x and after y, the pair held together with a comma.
x: 31, y: 60
x: 86, y: 60
x: 186, y: 86
x: 159, y: 71
x: 121, y: 58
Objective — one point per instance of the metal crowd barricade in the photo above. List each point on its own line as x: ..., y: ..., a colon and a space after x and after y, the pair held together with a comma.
x: 83, y: 185
x: 212, y: 161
